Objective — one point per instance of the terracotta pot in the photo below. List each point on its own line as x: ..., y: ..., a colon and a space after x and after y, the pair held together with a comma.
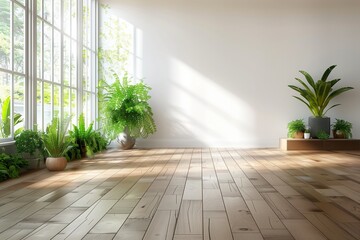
x: 338, y: 134
x: 298, y: 135
x: 56, y: 164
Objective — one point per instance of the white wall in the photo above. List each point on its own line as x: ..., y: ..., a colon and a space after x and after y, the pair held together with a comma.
x: 219, y: 69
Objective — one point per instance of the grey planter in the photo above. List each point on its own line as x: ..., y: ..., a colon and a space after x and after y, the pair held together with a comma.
x: 318, y: 124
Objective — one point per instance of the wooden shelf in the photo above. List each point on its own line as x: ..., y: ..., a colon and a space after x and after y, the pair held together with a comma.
x: 318, y: 144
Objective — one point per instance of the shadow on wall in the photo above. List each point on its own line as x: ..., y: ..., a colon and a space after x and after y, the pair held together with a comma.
x: 219, y: 72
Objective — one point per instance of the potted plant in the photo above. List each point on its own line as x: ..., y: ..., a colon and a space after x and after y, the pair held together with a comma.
x: 80, y: 134
x: 316, y: 96
x: 86, y: 140
x: 342, y: 129
x: 322, y: 135
x: 296, y: 128
x: 30, y: 144
x: 57, y: 143
x: 307, y: 133
x: 126, y: 111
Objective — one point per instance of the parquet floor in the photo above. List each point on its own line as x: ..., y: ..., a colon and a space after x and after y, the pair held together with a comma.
x: 188, y: 194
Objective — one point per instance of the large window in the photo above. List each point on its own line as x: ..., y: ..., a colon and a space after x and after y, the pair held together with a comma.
x: 62, y: 75
x: 13, y: 71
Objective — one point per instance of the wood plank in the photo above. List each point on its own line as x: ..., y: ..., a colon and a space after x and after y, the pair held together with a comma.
x: 162, y: 226
x: 133, y: 229
x: 86, y: 221
x: 216, y: 226
x: 109, y: 224
x: 239, y: 215
x: 302, y: 229
x: 190, y: 218
x: 331, y: 230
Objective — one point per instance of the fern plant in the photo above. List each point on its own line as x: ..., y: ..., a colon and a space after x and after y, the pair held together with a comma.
x: 126, y: 107
x: 56, y: 142
x: 317, y: 95
x: 86, y: 140
x: 80, y: 134
x: 10, y: 166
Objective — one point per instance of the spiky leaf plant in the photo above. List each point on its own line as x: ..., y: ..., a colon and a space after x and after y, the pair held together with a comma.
x: 125, y: 106
x: 56, y: 142
x: 5, y: 121
x: 317, y: 95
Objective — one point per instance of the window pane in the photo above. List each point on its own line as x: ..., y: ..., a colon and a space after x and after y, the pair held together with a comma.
x: 5, y: 42
x: 48, y: 10
x: 39, y: 49
x: 5, y: 103
x: 67, y: 16
x: 47, y: 51
x: 73, y: 64
x: 39, y: 7
x: 19, y: 104
x: 66, y: 99
x: 87, y: 107
x: 73, y: 106
x: 86, y: 69
x: 57, y: 56
x: 57, y: 101
x: 66, y: 62
x: 19, y: 39
x: 39, y: 108
x: 87, y: 22
x: 74, y: 19
x: 47, y: 104
x: 22, y: 2
x: 57, y: 13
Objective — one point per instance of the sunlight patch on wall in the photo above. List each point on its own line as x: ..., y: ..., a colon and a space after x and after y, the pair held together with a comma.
x: 207, y: 110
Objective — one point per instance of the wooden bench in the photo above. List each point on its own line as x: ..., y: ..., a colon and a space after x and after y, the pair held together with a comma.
x: 319, y: 144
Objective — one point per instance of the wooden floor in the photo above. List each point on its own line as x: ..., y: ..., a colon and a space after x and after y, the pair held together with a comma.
x: 188, y: 194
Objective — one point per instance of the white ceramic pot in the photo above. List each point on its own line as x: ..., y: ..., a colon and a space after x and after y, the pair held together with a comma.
x: 307, y: 135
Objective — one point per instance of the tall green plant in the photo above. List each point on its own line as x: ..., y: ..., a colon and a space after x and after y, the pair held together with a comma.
x: 5, y: 123
x: 56, y: 141
x: 317, y: 95
x: 125, y: 106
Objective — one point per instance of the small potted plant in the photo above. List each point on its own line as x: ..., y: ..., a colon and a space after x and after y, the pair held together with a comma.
x: 30, y: 144
x: 323, y: 135
x: 307, y: 133
x: 80, y: 135
x: 342, y: 129
x: 57, y: 144
x: 296, y: 128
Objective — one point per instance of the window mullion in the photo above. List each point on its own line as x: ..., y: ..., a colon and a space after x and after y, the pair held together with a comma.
x: 80, y: 58
x: 12, y: 69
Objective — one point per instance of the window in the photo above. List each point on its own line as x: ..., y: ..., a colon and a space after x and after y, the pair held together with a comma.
x: 64, y: 45
x: 13, y: 62
x: 89, y: 60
